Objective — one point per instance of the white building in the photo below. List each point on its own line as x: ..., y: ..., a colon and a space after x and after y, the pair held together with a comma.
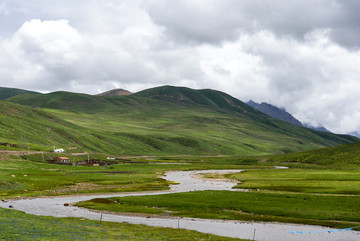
x: 60, y: 150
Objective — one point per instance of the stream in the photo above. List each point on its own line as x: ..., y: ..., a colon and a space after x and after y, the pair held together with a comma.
x: 188, y: 181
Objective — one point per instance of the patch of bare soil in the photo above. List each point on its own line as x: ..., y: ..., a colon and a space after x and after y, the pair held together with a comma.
x: 109, y: 172
x: 215, y: 177
x: 17, y: 153
x: 79, y: 187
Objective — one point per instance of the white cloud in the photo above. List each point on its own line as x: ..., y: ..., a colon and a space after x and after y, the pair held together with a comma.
x: 317, y: 80
x: 300, y: 55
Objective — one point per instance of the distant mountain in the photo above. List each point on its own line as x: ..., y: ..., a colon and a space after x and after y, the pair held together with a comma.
x: 253, y: 104
x: 355, y: 133
x: 275, y: 112
x: 115, y: 92
x: 282, y: 114
x: 318, y: 128
x: 6, y: 93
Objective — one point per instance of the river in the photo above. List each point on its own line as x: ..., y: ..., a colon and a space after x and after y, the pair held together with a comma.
x: 188, y: 181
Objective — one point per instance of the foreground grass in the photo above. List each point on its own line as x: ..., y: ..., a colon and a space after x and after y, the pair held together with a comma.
x: 15, y: 225
x: 337, y: 211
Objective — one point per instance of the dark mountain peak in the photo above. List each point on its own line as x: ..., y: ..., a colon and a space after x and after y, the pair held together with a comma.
x: 281, y: 114
x: 317, y: 128
x: 115, y: 92
x: 355, y: 133
x: 253, y: 104
x: 275, y: 112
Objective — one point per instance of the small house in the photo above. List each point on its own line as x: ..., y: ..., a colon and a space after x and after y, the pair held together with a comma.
x: 91, y: 163
x: 60, y: 160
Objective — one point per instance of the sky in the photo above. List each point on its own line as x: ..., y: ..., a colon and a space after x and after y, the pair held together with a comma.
x: 301, y: 55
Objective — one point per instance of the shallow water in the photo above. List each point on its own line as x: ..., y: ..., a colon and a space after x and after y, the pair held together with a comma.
x: 188, y: 181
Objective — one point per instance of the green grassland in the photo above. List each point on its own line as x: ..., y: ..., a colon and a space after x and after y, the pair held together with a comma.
x: 290, y: 195
x: 340, y: 157
x: 6, y: 93
x: 326, y: 181
x: 202, y: 129
x: 30, y: 178
x: 15, y: 225
x: 337, y: 211
x: 312, y: 192
x: 160, y: 121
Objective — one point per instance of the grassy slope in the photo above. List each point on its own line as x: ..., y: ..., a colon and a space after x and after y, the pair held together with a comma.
x: 6, y: 93
x: 39, y: 130
x: 173, y: 120
x: 343, y: 156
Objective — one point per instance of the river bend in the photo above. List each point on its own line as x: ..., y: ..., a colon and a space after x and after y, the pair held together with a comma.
x: 188, y: 181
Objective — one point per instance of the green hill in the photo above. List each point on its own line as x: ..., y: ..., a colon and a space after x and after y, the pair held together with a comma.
x: 6, y: 93
x: 207, y: 97
x: 36, y: 129
x: 176, y: 120
x: 64, y: 100
x: 341, y: 156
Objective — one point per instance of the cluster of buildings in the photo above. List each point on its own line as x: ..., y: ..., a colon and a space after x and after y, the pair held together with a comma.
x: 88, y: 162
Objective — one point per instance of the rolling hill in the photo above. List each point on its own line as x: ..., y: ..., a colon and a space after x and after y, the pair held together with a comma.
x: 6, y: 93
x: 342, y: 156
x: 31, y: 128
x: 177, y: 120
x: 115, y: 92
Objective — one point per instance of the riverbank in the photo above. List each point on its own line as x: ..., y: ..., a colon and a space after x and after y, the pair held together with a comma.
x: 264, y: 231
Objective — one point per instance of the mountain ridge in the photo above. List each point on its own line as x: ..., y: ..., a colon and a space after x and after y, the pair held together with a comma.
x: 6, y: 93
x: 179, y: 120
x: 282, y: 114
x: 276, y: 112
x: 115, y: 92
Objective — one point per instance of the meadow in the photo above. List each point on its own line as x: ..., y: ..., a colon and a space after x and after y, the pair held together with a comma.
x: 31, y: 176
x: 174, y: 129
x: 336, y: 211
x: 315, y: 194
x: 324, y: 181
x: 309, y: 194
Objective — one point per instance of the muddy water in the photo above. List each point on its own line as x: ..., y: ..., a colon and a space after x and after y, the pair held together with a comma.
x: 188, y: 181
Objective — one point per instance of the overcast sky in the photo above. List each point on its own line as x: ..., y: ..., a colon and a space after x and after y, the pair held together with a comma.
x: 301, y: 55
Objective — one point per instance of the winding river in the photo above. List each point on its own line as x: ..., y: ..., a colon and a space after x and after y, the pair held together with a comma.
x: 188, y: 181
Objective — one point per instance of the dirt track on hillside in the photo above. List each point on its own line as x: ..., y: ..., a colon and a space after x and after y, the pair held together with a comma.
x: 17, y: 153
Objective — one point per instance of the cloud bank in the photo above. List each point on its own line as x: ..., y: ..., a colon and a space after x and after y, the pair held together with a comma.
x: 301, y: 55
